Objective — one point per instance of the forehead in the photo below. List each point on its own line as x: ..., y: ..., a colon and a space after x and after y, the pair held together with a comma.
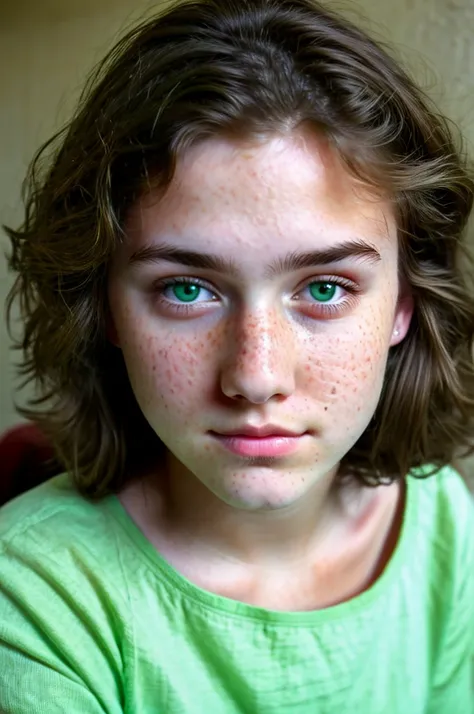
x: 285, y: 190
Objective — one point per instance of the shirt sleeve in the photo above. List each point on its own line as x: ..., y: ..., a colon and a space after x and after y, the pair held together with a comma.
x: 453, y: 684
x: 58, y: 650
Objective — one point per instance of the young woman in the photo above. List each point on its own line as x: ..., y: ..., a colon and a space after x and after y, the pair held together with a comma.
x: 243, y: 308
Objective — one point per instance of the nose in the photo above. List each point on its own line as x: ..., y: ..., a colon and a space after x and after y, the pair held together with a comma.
x: 259, y: 364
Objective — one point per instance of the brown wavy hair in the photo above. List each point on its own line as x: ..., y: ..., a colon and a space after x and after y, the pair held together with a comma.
x: 246, y: 70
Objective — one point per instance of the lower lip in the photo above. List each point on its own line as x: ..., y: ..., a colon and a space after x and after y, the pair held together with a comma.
x: 263, y: 447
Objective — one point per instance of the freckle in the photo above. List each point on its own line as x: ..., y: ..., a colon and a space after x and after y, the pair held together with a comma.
x: 325, y: 408
x: 333, y: 390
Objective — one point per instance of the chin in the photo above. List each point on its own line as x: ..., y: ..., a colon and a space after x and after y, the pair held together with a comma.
x: 264, y: 490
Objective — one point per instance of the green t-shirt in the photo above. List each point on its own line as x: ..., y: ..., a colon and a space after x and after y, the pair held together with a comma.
x: 93, y: 620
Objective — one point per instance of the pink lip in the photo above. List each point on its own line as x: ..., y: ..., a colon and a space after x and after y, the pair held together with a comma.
x: 259, y: 446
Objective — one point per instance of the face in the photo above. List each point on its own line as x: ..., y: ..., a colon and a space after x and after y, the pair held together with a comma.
x: 255, y: 304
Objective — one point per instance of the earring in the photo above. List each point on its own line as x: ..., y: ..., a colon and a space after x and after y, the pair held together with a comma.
x: 397, y: 333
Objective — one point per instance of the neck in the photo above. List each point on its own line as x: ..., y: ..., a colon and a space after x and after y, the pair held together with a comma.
x: 199, y: 522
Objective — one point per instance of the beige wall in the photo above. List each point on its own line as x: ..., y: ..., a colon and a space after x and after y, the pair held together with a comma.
x: 46, y: 47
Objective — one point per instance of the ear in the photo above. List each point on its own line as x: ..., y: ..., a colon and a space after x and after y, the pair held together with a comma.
x: 403, y: 316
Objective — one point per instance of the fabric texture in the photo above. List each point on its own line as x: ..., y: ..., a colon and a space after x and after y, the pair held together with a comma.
x: 93, y: 620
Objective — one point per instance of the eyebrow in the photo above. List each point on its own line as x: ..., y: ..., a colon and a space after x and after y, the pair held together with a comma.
x: 352, y: 249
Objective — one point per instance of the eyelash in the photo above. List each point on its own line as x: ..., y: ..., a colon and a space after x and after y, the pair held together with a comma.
x: 187, y: 308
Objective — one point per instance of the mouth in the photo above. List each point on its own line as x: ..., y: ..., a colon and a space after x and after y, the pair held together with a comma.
x: 262, y: 442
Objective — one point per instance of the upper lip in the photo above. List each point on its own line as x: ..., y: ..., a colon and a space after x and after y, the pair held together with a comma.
x: 259, y: 431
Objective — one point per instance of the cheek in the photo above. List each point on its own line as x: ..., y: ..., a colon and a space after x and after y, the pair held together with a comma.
x: 172, y: 370
x: 346, y: 368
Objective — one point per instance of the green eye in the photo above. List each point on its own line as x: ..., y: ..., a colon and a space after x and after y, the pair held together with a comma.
x: 322, y: 292
x: 186, y: 292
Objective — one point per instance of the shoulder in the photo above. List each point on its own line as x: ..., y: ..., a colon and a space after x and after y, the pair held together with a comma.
x: 55, y: 518
x: 55, y: 500
x: 442, y: 524
x: 443, y: 509
x: 58, y: 548
x: 440, y: 511
x: 63, y: 606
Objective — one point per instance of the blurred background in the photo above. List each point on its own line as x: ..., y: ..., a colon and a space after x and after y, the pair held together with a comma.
x: 48, y: 46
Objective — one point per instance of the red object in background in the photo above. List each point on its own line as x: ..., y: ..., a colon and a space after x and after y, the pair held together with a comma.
x: 26, y: 460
